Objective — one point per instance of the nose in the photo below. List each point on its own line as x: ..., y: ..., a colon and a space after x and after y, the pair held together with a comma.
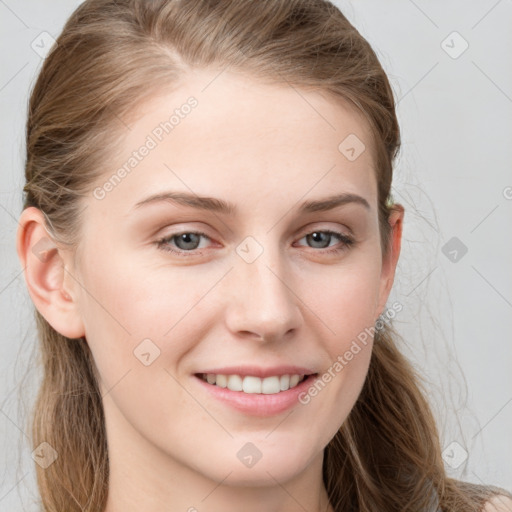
x: 263, y: 303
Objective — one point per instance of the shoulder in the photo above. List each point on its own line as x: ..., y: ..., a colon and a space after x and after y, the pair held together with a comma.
x: 500, y: 503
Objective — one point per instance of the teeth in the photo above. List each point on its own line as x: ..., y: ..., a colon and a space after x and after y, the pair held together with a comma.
x: 250, y: 384
x: 221, y: 380
x: 235, y: 383
x: 294, y: 380
x: 270, y: 386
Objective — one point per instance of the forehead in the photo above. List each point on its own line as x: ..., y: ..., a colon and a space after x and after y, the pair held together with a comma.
x: 219, y: 133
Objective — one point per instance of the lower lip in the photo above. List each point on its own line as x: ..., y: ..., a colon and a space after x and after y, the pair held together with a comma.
x: 257, y: 404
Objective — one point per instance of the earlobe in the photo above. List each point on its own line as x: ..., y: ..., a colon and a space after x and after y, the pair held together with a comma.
x: 390, y: 260
x: 44, y: 268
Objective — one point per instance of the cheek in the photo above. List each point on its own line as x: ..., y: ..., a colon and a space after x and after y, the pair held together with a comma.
x: 344, y: 298
x: 134, y: 315
x: 137, y: 301
x: 345, y: 302
x: 139, y: 328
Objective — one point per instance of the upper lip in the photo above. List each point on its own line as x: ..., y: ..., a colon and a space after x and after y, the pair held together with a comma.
x: 258, y: 371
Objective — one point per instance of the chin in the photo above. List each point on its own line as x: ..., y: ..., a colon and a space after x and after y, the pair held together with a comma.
x: 260, y: 463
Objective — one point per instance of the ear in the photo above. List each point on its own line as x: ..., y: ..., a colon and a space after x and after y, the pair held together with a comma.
x: 44, y: 264
x: 390, y: 259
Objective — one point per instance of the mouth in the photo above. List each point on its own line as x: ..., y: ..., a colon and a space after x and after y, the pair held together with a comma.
x: 256, y: 390
x: 253, y: 385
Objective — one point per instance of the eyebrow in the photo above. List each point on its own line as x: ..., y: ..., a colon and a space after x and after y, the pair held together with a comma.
x: 220, y: 206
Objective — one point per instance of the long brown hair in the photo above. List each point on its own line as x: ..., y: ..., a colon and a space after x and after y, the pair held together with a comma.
x: 111, y: 56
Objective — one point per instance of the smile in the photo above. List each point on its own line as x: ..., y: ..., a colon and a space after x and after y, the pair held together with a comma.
x: 251, y: 384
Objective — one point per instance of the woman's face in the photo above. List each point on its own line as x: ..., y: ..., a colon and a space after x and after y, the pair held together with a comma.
x: 263, y: 291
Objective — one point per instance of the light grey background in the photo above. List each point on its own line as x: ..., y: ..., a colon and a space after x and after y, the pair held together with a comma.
x: 455, y: 111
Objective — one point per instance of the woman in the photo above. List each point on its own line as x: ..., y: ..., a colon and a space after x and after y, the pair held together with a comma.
x: 210, y: 243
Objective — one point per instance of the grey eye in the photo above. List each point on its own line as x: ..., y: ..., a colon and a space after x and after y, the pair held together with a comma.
x: 319, y: 237
x: 187, y: 241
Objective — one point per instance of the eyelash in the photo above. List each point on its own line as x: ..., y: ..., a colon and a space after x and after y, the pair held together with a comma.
x: 346, y: 240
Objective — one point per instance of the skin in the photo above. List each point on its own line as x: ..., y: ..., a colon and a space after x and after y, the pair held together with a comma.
x: 265, y: 148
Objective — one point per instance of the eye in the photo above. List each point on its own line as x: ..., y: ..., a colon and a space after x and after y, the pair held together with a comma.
x: 186, y: 241
x: 322, y: 240
x: 189, y: 241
